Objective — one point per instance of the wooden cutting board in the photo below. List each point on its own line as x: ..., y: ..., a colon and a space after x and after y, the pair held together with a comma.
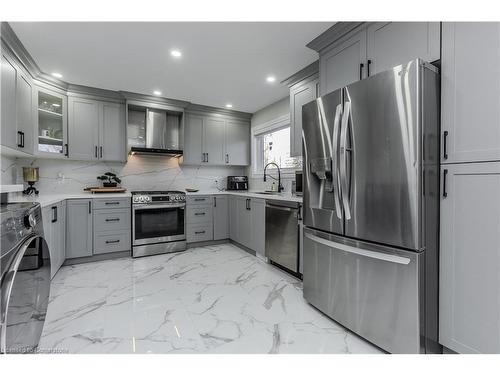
x: 103, y: 190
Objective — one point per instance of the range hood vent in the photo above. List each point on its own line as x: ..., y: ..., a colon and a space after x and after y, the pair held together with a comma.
x: 154, y: 130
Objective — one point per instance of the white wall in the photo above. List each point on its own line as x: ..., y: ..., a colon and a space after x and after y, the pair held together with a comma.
x: 139, y: 173
x: 266, y: 114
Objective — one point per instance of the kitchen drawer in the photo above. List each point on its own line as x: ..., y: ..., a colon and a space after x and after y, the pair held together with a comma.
x: 197, y: 233
x: 110, y: 242
x: 198, y: 199
x: 199, y: 214
x: 112, y: 220
x: 101, y: 203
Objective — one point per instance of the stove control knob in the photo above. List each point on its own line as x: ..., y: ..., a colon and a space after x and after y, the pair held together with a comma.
x: 147, y: 199
x: 29, y: 221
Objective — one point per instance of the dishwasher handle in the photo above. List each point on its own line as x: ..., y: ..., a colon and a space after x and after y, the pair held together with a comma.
x: 282, y: 208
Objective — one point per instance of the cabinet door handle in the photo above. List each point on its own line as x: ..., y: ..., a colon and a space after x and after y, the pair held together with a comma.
x: 20, y: 142
x: 199, y: 213
x: 445, y: 174
x: 215, y: 201
x: 361, y: 65
x: 200, y: 232
x: 199, y: 199
x: 67, y: 149
x: 445, y: 144
x: 95, y: 152
x: 54, y: 214
x: 368, y: 66
x: 90, y: 207
x: 100, y: 152
x: 112, y: 241
x: 207, y: 157
x: 227, y: 158
x: 110, y: 203
x: 114, y: 219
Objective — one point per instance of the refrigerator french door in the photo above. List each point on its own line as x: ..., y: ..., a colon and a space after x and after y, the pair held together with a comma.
x: 378, y: 193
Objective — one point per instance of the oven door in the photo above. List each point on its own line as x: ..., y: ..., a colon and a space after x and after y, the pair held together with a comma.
x: 154, y: 223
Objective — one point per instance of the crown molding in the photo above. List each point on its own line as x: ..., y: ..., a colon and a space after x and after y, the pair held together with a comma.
x: 204, y: 110
x: 302, y: 74
x: 332, y: 34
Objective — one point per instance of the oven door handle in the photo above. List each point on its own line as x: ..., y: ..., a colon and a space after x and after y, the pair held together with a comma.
x: 153, y: 206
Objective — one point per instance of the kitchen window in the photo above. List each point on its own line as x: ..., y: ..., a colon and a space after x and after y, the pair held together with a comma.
x: 271, y: 143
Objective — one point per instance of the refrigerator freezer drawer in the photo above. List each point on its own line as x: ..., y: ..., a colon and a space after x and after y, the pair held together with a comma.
x: 372, y: 290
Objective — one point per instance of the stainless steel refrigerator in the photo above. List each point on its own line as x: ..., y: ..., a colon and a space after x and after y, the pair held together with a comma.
x: 371, y: 207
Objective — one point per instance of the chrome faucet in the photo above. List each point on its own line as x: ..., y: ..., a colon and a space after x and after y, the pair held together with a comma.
x: 280, y: 187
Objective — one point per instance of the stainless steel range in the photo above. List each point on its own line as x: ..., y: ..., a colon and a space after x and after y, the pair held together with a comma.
x: 158, y: 222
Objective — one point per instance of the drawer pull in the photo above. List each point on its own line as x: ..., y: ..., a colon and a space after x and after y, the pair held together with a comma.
x: 199, y: 213
x: 108, y: 203
x: 199, y: 199
x: 115, y: 219
x: 112, y: 241
x: 200, y: 232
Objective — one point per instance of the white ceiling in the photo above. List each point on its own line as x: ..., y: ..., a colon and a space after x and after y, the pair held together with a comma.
x: 221, y: 63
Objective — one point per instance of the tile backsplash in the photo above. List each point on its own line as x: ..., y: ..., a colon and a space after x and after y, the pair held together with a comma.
x: 139, y: 173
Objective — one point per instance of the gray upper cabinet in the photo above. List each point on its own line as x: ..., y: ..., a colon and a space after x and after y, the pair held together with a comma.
x: 193, y: 139
x: 8, y: 95
x: 96, y: 130
x: 300, y: 94
x: 112, y: 132
x: 216, y: 140
x: 17, y: 108
x: 221, y: 217
x: 213, y: 141
x: 470, y: 258
x: 393, y: 43
x: 78, y: 228
x: 237, y: 143
x: 83, y: 129
x: 375, y: 47
x: 24, y: 110
x: 343, y: 64
x: 470, y: 78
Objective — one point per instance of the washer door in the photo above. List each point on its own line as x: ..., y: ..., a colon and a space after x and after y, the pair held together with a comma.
x: 25, y: 290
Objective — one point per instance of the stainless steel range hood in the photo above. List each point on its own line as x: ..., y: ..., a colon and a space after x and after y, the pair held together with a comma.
x: 154, y: 130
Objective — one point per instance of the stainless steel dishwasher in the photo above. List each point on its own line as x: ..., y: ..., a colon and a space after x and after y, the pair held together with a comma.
x: 282, y: 234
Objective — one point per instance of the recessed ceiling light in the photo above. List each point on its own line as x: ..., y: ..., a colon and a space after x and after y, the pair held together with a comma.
x: 229, y: 105
x: 271, y: 79
x: 157, y: 92
x: 57, y: 75
x: 176, y: 53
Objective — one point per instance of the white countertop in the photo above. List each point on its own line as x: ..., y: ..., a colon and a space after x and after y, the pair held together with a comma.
x: 11, y: 188
x: 253, y: 194
x: 48, y: 199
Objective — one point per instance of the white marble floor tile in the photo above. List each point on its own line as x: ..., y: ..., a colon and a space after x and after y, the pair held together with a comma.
x: 212, y: 299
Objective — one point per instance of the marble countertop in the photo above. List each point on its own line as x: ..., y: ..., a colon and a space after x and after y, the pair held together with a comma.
x: 253, y: 194
x: 48, y: 199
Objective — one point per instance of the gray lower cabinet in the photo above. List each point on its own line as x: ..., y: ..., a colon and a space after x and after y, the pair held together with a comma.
x: 258, y: 208
x: 199, y: 219
x: 470, y: 258
x: 221, y: 217
x: 111, y: 225
x: 54, y: 227
x: 247, y: 222
x: 78, y: 228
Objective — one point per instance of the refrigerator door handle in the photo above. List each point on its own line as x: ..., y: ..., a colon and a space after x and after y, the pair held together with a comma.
x: 354, y: 250
x: 343, y: 160
x: 335, y: 164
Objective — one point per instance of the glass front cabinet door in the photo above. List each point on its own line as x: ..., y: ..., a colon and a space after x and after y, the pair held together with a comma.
x: 51, y: 118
